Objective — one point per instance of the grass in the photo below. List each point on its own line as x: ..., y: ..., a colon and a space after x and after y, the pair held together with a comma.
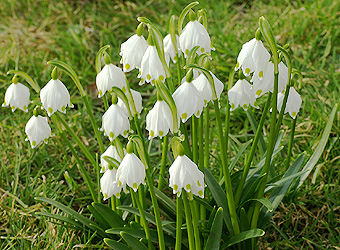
x: 33, y: 32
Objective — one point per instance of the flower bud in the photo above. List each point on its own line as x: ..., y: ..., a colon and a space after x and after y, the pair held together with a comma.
x: 107, y: 59
x: 192, y: 15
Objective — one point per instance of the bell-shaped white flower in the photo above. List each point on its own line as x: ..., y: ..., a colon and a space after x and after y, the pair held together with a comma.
x: 159, y: 120
x: 241, y: 94
x: 137, y: 99
x: 108, y: 186
x: 194, y: 34
x: 253, y: 57
x: 37, y: 129
x: 293, y: 102
x: 110, y: 76
x: 132, y: 52
x: 17, y: 96
x: 184, y: 173
x: 55, y: 96
x: 188, y: 101
x: 203, y: 86
x: 112, y: 152
x: 169, y: 48
x: 115, y: 122
x: 131, y: 171
x: 267, y: 83
x: 151, y: 67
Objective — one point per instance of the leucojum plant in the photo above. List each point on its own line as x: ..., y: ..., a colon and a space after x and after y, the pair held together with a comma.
x: 227, y: 211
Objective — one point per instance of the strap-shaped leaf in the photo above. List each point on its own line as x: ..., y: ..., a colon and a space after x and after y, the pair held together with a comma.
x: 27, y: 78
x: 112, y: 161
x: 99, y: 57
x: 192, y: 55
x: 124, y: 98
x: 184, y: 12
x: 113, y: 219
x: 116, y: 245
x: 252, y: 233
x: 68, y: 221
x: 203, y: 18
x: 239, y: 153
x: 140, y: 148
x: 214, y: 238
x: 172, y: 31
x: 68, y: 70
x: 261, y: 143
x: 263, y: 201
x: 99, y: 218
x: 133, y: 242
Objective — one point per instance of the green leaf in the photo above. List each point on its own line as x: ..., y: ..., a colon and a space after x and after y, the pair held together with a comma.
x: 116, y: 245
x: 214, y: 238
x: 252, y: 233
x: 61, y: 218
x: 82, y: 219
x: 99, y: 218
x: 184, y: 12
x: 172, y: 31
x: 112, y: 217
x: 220, y: 197
x: 112, y: 161
x: 319, y: 149
x: 254, y: 125
x: 27, y: 78
x: 133, y: 242
x: 68, y: 70
x: 263, y: 201
x: 99, y: 57
x: 237, y: 156
x: 168, y: 203
x: 192, y: 55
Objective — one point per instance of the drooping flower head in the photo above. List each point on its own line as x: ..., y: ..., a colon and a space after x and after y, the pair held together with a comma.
x: 55, y: 96
x: 151, y: 67
x: 293, y: 102
x: 253, y: 57
x: 184, y: 173
x: 110, y: 76
x: 131, y: 170
x: 108, y: 186
x: 194, y: 34
x: 169, y: 48
x: 241, y: 94
x: 137, y: 99
x: 17, y: 96
x: 37, y: 129
x: 115, y: 121
x: 132, y: 50
x: 188, y: 99
x: 112, y: 152
x: 159, y: 120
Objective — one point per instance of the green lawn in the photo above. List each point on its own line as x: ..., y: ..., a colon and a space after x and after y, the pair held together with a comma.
x: 34, y: 32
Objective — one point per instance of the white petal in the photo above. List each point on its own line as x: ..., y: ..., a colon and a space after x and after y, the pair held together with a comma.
x: 17, y: 96
x: 132, y: 52
x: 37, y: 129
x: 151, y: 67
x: 137, y: 98
x: 110, y: 76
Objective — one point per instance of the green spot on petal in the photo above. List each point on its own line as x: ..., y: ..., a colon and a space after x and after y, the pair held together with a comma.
x: 127, y: 66
x: 258, y: 92
x: 202, y: 50
x: 100, y: 93
x: 63, y: 108
x: 175, y: 188
x: 125, y: 132
x: 148, y: 77
x: 34, y: 143
x: 142, y: 80
x: 188, y: 186
x: 200, y: 193
x: 232, y: 106
x: 134, y: 185
x: 103, y: 168
x: 161, y: 77
x: 237, y: 65
x: 245, y: 106
x: 198, y: 113
x: 184, y: 116
x: 105, y: 195
x: 119, y: 183
x: 261, y: 74
x: 205, y: 102
x: 161, y: 133
x: 50, y: 110
x: 123, y: 89
x: 198, y: 183
x: 25, y: 107
x: 152, y: 134
x: 186, y: 51
x: 294, y: 114
x: 13, y: 107
x: 118, y: 195
x: 112, y: 135
x: 247, y: 71
x: 45, y: 140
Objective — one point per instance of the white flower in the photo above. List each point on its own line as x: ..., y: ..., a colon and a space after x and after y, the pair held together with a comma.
x: 112, y: 152
x: 137, y: 99
x: 151, y: 67
x: 241, y: 94
x: 188, y: 101
x: 203, y: 86
x: 185, y: 174
x: 110, y: 76
x: 159, y: 120
x: 108, y: 186
x: 194, y: 34
x: 115, y: 122
x: 131, y: 172
x: 253, y: 57
x: 169, y: 48
x: 55, y: 96
x: 267, y: 83
x: 132, y: 52
x: 37, y: 130
x: 17, y: 96
x: 293, y: 102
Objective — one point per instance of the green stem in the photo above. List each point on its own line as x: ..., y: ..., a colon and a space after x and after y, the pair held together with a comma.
x: 178, y: 63
x: 76, y: 138
x: 290, y: 144
x: 151, y: 188
x: 188, y: 221
x: 113, y: 203
x: 252, y: 151
x: 206, y: 136
x: 106, y: 103
x: 227, y: 180
x: 179, y: 218
x: 270, y: 149
x: 93, y: 122
x: 201, y: 160
x: 165, y: 145
x: 84, y: 172
x: 195, y: 223
x: 143, y: 219
x: 194, y: 139
x: 186, y: 143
